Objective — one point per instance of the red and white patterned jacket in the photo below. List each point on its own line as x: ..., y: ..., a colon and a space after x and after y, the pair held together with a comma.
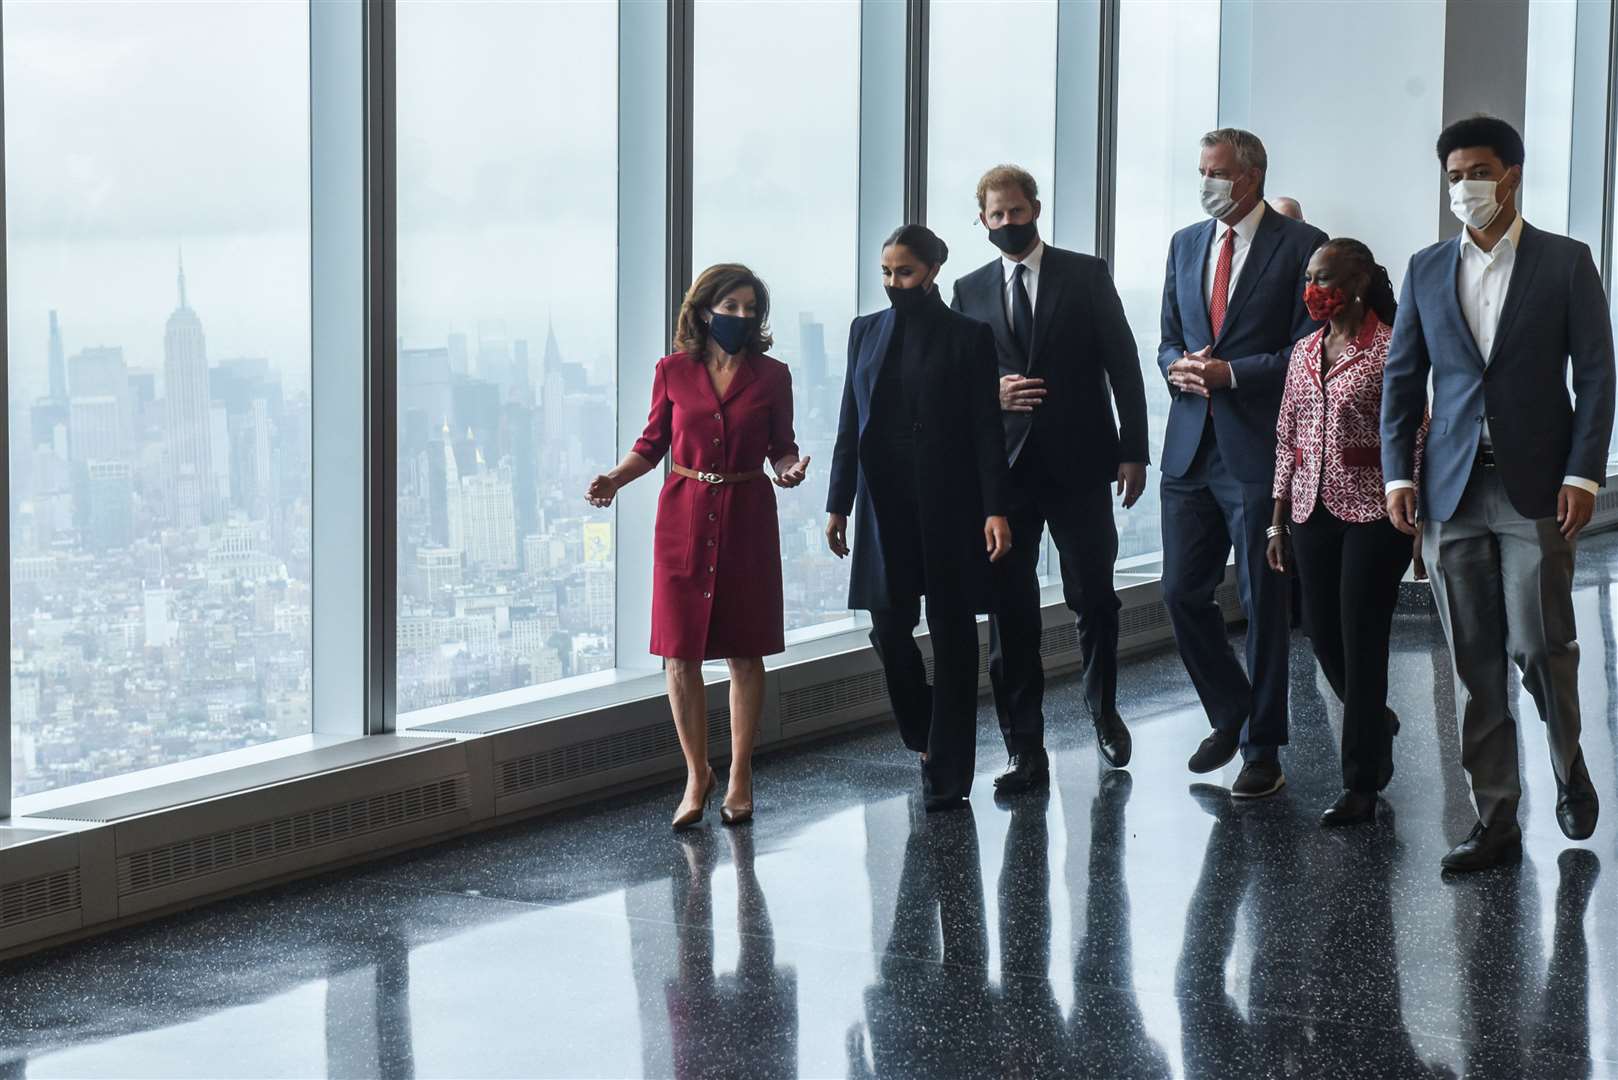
x: 1328, y: 438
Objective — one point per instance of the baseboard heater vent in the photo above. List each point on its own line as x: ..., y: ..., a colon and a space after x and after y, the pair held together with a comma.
x: 833, y: 697
x: 39, y: 898
x: 1061, y: 638
x: 564, y: 763
x: 221, y: 851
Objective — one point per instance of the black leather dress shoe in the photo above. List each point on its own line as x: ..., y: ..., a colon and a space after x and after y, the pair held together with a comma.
x: 1112, y: 739
x: 1026, y: 772
x: 1216, y: 751
x: 1577, y: 809
x: 1351, y: 808
x: 1494, y: 845
x: 1258, y: 779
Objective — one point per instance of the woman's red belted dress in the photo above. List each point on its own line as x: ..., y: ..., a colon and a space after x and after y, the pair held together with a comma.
x: 716, y: 549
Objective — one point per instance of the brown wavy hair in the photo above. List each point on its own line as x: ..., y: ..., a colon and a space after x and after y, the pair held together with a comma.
x: 710, y: 287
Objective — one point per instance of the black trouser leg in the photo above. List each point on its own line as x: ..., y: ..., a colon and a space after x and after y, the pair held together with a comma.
x: 1351, y: 574
x: 1015, y: 669
x: 1087, y: 542
x: 952, y: 739
x: 893, y: 636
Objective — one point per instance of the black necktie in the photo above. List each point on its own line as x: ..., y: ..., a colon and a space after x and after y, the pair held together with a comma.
x: 1022, y: 314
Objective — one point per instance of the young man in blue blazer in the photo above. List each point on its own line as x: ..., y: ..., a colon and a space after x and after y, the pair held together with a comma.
x: 1500, y: 317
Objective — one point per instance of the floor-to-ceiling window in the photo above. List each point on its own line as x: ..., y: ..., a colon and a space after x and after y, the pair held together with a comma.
x: 1168, y: 79
x: 157, y: 274
x: 991, y: 100
x: 775, y: 170
x: 507, y: 305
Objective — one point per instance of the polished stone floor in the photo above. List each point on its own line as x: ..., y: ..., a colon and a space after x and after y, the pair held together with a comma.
x: 1127, y: 924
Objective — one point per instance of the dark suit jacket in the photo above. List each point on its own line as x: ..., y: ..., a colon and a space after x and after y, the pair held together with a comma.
x: 1555, y: 312
x: 961, y: 463
x: 1264, y: 317
x: 1082, y: 343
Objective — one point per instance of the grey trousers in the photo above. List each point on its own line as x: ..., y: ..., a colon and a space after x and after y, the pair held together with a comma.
x: 1504, y: 585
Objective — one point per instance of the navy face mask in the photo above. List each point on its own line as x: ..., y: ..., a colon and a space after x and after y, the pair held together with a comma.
x: 1014, y: 239
x: 908, y: 300
x: 730, y: 332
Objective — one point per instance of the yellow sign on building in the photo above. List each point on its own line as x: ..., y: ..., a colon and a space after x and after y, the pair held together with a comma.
x: 598, y: 541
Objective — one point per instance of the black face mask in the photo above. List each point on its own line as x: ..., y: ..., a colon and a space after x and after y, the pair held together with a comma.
x: 730, y: 332
x: 1014, y: 239
x: 905, y: 301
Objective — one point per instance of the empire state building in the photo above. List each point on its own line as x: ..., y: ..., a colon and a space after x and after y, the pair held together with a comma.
x: 185, y: 388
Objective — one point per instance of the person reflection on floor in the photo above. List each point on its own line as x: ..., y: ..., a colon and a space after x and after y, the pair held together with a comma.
x: 1107, y: 1032
x: 931, y: 1014
x: 1355, y: 979
x: 1562, y: 1021
x: 743, y: 1025
x: 1031, y: 1038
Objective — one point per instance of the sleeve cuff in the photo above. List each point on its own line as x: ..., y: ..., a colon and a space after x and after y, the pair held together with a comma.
x: 1232, y: 374
x: 1580, y: 482
x: 1398, y: 485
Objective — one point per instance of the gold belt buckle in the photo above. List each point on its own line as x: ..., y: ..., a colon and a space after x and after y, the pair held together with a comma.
x: 710, y: 478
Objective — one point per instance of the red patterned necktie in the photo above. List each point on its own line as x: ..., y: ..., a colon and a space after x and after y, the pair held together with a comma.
x: 1220, y: 300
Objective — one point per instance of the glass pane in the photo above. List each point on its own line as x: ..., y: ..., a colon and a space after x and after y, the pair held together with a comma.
x: 975, y: 122
x: 157, y: 251
x: 776, y: 186
x: 1548, y: 112
x: 507, y: 323
x: 1166, y: 75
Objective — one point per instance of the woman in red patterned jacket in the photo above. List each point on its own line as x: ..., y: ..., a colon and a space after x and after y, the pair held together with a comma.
x: 1329, y: 501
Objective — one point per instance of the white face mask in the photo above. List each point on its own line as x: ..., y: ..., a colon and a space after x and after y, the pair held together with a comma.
x: 1216, y: 200
x: 1474, y: 202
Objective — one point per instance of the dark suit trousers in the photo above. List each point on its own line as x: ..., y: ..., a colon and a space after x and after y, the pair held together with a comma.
x: 940, y: 720
x: 1349, y: 574
x: 1206, y: 513
x: 1087, y: 543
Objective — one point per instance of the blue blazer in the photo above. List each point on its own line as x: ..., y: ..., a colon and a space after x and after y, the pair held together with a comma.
x: 1555, y: 314
x: 1265, y: 316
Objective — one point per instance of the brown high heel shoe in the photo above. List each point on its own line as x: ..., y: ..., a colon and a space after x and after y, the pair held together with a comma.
x: 692, y: 817
x: 737, y: 814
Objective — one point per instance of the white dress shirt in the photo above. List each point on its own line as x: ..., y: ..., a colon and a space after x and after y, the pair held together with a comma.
x: 1482, y: 280
x: 1245, y: 230
x: 1030, y: 278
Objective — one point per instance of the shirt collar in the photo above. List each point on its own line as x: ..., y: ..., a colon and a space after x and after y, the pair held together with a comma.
x: 1008, y: 265
x: 1513, y: 239
x: 1246, y: 228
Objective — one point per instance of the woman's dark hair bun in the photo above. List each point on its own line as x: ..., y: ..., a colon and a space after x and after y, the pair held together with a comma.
x: 921, y: 240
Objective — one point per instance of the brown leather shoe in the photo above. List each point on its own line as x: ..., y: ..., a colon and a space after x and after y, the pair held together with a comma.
x: 693, y: 816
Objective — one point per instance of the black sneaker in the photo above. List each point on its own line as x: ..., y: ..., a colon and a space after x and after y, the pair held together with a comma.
x: 1216, y: 751
x: 1258, y: 779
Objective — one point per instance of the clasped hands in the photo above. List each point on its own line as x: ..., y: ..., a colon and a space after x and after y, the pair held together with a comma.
x: 1200, y: 374
x: 1574, y: 508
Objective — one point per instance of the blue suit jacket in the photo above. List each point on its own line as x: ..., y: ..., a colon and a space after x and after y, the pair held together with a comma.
x: 1265, y: 316
x: 1555, y: 313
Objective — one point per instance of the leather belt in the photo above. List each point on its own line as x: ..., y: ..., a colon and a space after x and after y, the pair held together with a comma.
x: 718, y: 477
x: 1357, y: 457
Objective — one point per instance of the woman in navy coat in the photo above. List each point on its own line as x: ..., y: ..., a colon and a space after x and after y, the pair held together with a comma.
x: 920, y: 460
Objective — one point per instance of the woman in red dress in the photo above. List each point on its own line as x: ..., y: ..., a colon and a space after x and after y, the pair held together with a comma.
x: 724, y: 408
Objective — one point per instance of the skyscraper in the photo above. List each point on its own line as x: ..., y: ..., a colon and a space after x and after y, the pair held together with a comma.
x: 95, y: 429
x: 58, y: 362
x: 489, y: 518
x: 110, y: 522
x: 189, y: 435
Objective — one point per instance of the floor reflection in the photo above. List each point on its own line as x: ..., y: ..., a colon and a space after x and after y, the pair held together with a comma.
x: 1126, y: 924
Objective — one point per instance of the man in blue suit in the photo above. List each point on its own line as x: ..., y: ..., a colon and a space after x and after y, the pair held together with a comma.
x: 1499, y: 317
x: 1232, y: 307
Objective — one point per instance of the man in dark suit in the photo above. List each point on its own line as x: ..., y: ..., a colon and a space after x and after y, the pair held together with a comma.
x: 1511, y: 468
x: 1066, y: 353
x: 1232, y: 307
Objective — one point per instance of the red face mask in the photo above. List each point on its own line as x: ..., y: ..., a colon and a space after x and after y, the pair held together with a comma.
x: 1323, y: 303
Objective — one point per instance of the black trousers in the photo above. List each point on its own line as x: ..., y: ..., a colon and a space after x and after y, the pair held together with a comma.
x: 1087, y: 546
x: 940, y: 720
x: 1350, y: 577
